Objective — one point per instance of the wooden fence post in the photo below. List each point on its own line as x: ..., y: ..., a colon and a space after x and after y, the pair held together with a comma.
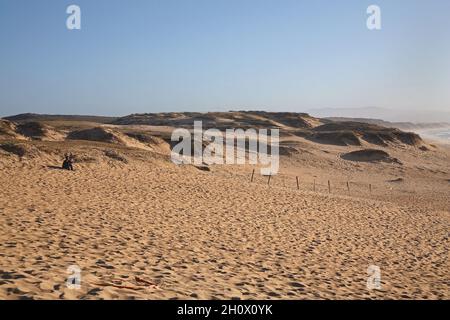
x: 348, y: 187
x: 268, y: 181
x: 253, y: 173
x: 298, y: 187
x: 329, y: 186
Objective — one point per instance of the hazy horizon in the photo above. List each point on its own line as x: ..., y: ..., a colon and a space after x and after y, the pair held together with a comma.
x: 173, y: 56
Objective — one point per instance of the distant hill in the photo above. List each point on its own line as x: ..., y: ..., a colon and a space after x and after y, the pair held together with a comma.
x: 399, y: 125
x: 33, y: 117
x: 352, y: 132
x: 223, y: 120
x: 392, y: 115
x: 331, y: 131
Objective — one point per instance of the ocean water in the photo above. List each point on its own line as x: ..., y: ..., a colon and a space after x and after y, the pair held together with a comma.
x: 442, y: 135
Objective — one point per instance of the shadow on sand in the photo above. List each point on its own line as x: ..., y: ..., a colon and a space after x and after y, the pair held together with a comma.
x: 55, y: 167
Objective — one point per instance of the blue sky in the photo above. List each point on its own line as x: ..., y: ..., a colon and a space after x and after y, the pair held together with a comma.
x: 209, y: 55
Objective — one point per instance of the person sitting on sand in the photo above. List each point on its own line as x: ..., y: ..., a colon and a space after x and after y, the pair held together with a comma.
x: 68, y: 162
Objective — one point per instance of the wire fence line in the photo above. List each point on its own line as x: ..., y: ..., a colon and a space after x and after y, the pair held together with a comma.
x: 326, y: 186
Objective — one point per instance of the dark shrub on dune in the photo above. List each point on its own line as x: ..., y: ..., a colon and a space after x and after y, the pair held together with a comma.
x: 370, y: 133
x: 369, y: 155
x: 17, y: 149
x: 32, y: 129
x: 340, y: 138
x: 95, y: 134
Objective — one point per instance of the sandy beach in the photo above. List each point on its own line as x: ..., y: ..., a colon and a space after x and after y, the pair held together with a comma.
x: 143, y: 228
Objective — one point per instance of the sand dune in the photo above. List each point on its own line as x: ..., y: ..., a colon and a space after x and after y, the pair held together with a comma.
x: 140, y: 227
x: 38, y: 131
x: 8, y: 130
